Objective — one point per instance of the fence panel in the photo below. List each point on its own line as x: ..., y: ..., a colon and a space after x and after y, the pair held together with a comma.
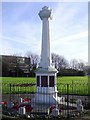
x: 70, y: 92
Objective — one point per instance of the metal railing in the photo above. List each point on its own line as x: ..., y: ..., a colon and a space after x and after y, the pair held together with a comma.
x: 70, y: 92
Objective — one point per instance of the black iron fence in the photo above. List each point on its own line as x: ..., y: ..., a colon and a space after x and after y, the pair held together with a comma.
x: 69, y: 93
x: 74, y: 89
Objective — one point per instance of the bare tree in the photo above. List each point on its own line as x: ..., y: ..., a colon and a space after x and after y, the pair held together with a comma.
x: 81, y: 66
x: 59, y: 61
x: 74, y: 64
x: 34, y: 59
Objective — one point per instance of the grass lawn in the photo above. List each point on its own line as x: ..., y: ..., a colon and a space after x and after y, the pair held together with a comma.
x: 6, y: 81
x: 77, y: 85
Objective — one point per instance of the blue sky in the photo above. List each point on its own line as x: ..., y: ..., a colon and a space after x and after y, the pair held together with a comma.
x: 22, y: 29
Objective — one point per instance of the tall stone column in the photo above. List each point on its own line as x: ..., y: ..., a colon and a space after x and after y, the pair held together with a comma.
x: 46, y: 88
x: 45, y: 14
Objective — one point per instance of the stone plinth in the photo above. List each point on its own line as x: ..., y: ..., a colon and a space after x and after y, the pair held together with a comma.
x: 46, y: 89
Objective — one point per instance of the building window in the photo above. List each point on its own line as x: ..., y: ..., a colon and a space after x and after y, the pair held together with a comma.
x: 51, y: 81
x: 44, y: 81
x: 38, y: 80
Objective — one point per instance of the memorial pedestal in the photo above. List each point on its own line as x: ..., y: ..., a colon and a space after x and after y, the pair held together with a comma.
x: 46, y: 89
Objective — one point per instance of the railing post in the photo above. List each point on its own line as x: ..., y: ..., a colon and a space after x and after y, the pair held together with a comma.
x: 10, y: 92
x: 10, y: 88
x: 67, y: 100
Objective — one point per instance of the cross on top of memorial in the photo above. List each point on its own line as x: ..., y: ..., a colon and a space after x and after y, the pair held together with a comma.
x: 45, y: 12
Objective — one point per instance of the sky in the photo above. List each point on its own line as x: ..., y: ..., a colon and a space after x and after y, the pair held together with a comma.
x: 22, y: 29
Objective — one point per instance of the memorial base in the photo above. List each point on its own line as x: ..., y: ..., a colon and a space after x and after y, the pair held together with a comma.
x: 46, y: 99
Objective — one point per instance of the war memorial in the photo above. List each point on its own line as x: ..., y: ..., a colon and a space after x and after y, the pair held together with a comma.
x: 45, y: 103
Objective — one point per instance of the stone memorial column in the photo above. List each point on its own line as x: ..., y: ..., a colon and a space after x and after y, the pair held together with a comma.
x: 46, y: 89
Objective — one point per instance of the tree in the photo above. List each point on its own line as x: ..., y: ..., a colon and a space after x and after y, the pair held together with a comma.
x: 34, y: 61
x: 88, y: 70
x: 54, y: 58
x: 59, y: 61
x: 81, y: 66
x: 74, y: 64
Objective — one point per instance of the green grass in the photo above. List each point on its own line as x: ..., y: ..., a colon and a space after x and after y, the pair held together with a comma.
x: 6, y: 81
x: 17, y: 80
x: 77, y: 85
x: 72, y: 79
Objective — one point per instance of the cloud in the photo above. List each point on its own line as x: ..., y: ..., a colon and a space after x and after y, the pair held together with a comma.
x: 73, y: 37
x: 12, y: 46
x: 67, y: 19
x: 68, y: 29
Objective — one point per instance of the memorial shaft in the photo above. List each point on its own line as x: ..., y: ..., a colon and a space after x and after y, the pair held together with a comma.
x: 45, y: 50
